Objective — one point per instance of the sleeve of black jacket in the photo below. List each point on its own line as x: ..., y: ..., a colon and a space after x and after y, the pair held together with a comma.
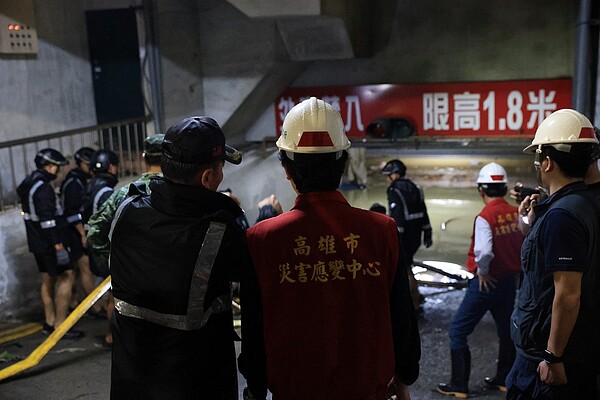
x: 44, y: 201
x: 252, y: 360
x: 407, y: 341
x: 73, y: 195
x: 396, y: 209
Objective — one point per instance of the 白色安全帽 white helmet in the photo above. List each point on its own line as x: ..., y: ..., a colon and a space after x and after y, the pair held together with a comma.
x: 492, y: 173
x: 313, y: 127
x: 561, y: 129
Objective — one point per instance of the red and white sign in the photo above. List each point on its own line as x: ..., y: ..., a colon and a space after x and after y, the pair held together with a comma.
x: 441, y: 109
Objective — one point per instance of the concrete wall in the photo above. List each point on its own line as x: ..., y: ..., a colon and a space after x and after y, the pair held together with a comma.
x: 181, y: 61
x: 19, y: 277
x: 48, y: 92
x: 53, y: 90
x: 236, y: 52
x: 466, y: 40
x: 458, y: 41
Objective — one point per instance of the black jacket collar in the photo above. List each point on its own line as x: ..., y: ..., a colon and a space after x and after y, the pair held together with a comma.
x: 185, y: 200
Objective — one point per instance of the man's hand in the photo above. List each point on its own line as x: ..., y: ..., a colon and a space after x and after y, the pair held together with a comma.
x: 519, y: 192
x: 552, y: 374
x: 515, y: 192
x: 486, y: 282
x: 81, y: 229
x: 271, y: 201
x: 427, y: 238
x: 228, y: 193
x: 62, y: 256
x: 526, y: 213
x: 397, y: 390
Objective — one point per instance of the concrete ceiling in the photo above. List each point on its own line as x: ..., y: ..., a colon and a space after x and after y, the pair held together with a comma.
x: 277, y: 8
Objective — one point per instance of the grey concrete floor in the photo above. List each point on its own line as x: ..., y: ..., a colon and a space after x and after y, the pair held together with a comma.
x: 81, y: 369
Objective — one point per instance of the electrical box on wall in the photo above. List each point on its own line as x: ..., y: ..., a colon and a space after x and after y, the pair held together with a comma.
x: 17, y: 27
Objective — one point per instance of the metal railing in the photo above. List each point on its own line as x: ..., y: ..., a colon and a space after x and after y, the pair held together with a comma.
x: 17, y: 156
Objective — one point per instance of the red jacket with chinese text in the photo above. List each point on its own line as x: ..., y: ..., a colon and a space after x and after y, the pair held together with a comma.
x: 507, y: 239
x: 328, y: 283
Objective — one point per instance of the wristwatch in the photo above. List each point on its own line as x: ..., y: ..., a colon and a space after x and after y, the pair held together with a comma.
x: 551, y: 358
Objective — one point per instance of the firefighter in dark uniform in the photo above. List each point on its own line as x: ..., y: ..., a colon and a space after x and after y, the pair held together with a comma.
x: 174, y: 254
x: 407, y: 206
x: 105, y: 166
x: 47, y: 238
x: 72, y: 198
x: 330, y: 315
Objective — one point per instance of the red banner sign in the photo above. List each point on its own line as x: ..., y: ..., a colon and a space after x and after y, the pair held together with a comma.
x: 441, y: 109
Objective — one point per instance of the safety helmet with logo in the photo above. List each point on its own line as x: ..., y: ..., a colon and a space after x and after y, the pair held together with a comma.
x: 49, y: 156
x: 394, y: 167
x: 561, y: 130
x: 84, y: 154
x: 313, y: 127
x: 102, y: 159
x: 492, y: 173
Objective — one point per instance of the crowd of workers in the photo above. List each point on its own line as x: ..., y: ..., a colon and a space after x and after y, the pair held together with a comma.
x: 329, y: 303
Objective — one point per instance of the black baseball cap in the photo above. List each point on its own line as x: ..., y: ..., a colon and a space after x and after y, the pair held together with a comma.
x: 198, y: 140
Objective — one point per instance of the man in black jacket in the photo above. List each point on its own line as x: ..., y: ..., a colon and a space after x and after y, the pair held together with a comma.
x: 72, y: 198
x: 555, y: 323
x: 47, y: 238
x: 105, y: 166
x: 407, y: 206
x: 173, y: 255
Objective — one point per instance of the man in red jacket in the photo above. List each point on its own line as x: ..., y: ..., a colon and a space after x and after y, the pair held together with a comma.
x: 330, y: 316
x: 494, y: 259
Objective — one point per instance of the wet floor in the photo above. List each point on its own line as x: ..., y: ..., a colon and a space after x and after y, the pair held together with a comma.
x: 450, y: 195
x: 81, y: 369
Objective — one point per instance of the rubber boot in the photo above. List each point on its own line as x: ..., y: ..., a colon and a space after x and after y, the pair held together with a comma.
x: 506, y: 359
x: 461, y: 369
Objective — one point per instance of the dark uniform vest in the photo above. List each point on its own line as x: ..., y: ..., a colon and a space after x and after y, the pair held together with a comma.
x: 72, y: 195
x: 407, y: 207
x: 41, y: 212
x: 98, y: 189
x: 530, y: 328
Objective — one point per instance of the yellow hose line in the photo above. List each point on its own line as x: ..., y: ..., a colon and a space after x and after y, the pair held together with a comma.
x: 34, y: 358
x: 18, y: 332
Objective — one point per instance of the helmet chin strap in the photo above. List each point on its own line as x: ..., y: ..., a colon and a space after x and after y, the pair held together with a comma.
x: 538, y: 169
x: 290, y: 154
x: 539, y: 180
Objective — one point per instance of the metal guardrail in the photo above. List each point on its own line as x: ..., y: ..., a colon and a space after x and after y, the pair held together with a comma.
x: 17, y: 156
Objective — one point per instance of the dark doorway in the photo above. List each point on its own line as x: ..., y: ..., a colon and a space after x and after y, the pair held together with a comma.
x: 114, y: 55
